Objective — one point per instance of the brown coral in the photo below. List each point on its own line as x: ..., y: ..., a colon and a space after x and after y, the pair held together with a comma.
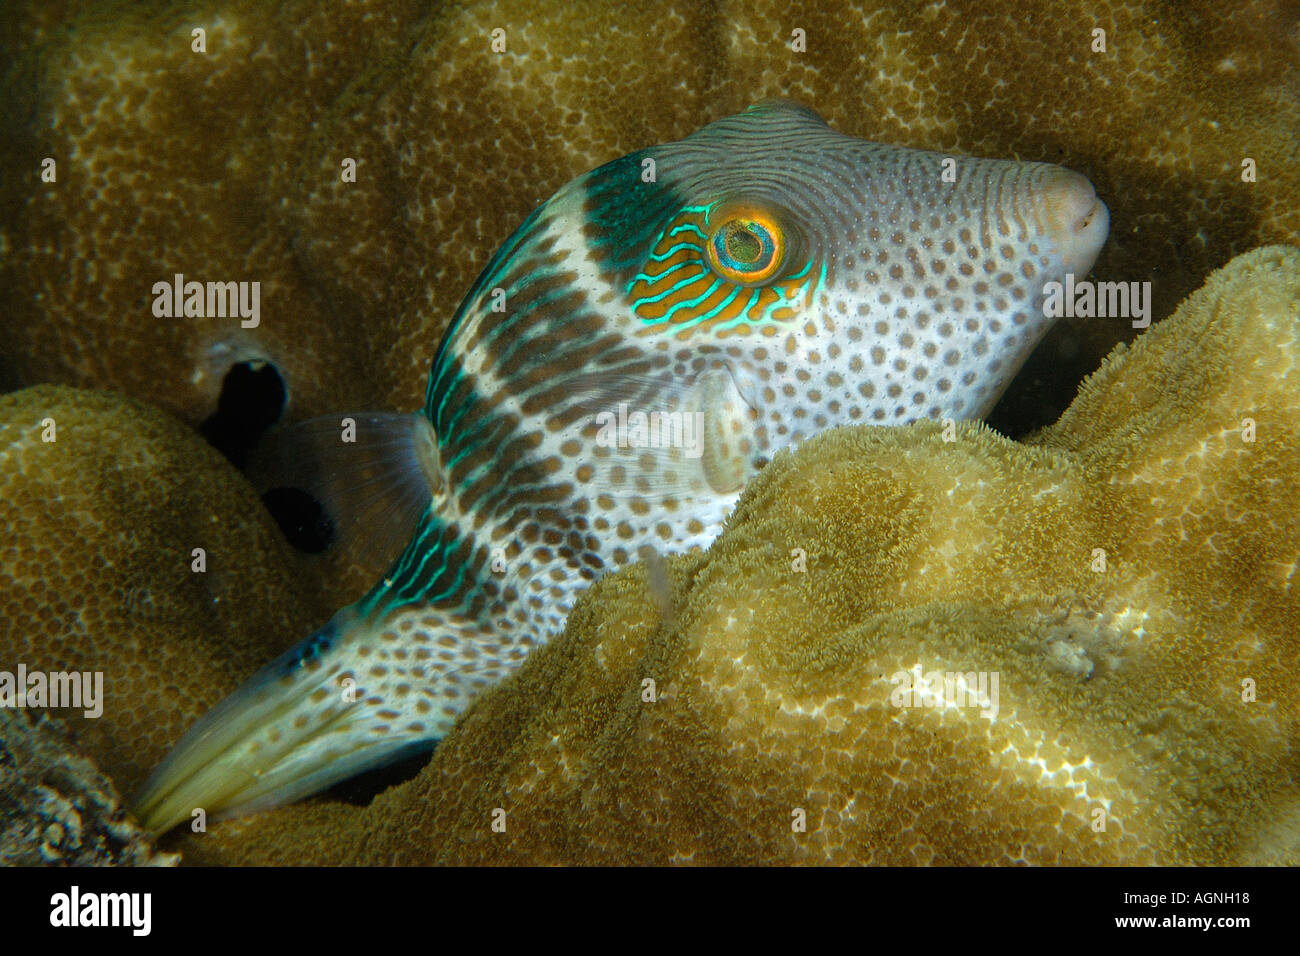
x: 1147, y: 709
x: 102, y: 503
x: 227, y: 165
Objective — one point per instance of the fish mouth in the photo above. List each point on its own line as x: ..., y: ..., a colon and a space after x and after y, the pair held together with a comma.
x: 1075, y: 220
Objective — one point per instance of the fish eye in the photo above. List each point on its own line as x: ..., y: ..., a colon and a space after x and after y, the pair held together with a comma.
x: 746, y: 246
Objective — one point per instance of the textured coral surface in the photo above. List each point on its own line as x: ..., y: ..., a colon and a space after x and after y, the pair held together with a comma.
x: 1153, y: 693
x: 226, y: 165
x: 97, y: 532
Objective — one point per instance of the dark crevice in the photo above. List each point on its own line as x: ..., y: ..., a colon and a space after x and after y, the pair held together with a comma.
x: 301, y: 518
x: 252, y: 399
x: 364, y: 787
x: 1046, y: 385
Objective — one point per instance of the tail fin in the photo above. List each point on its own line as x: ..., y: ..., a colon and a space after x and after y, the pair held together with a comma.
x: 338, y: 704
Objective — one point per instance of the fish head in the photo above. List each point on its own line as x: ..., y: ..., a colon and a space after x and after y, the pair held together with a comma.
x: 914, y: 278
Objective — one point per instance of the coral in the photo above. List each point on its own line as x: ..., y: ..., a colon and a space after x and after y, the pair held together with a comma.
x: 56, y: 808
x: 97, y: 531
x: 226, y: 165
x: 1146, y: 709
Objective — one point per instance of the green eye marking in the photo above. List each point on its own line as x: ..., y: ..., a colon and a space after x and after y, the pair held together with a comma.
x: 721, y: 267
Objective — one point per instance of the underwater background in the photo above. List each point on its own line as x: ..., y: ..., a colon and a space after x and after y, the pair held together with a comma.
x: 1124, y: 690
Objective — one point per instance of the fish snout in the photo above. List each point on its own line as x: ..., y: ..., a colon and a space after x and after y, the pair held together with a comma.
x: 1074, y: 219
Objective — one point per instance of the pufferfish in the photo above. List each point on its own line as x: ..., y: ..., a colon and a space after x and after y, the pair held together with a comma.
x: 644, y: 343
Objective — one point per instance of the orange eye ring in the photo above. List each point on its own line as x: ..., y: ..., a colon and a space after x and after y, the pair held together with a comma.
x: 746, y: 246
